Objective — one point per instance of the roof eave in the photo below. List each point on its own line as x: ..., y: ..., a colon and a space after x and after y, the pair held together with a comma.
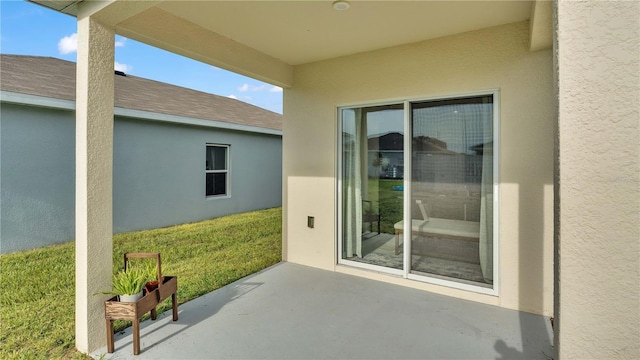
x: 69, y: 7
x: 61, y: 104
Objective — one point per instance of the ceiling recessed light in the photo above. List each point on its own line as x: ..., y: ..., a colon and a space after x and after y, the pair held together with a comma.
x: 341, y: 5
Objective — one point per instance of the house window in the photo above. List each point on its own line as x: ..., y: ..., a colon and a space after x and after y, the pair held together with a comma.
x: 427, y: 165
x: 217, y: 170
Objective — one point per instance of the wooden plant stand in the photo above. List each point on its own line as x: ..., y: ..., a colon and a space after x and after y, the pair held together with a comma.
x: 133, y: 311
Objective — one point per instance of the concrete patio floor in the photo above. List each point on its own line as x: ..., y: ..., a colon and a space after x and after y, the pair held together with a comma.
x: 290, y: 311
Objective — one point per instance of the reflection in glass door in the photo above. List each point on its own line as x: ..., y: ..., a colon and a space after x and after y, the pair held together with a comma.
x: 450, y: 195
x: 452, y: 189
x: 372, y: 161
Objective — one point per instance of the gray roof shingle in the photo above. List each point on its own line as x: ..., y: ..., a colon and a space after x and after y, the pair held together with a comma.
x: 56, y: 78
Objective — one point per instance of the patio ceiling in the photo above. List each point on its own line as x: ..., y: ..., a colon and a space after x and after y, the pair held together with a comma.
x: 265, y: 39
x: 299, y: 32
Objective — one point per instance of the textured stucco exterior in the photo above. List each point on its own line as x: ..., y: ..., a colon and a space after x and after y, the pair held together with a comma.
x: 94, y: 185
x: 598, y: 233
x: 494, y: 58
x: 158, y: 174
x: 584, y: 121
x: 37, y: 167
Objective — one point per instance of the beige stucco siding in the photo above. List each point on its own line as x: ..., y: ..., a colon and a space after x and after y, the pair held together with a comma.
x: 599, y: 182
x: 94, y: 179
x: 495, y: 58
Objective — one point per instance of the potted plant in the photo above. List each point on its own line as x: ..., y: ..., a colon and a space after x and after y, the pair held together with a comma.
x: 152, y: 278
x: 128, y: 284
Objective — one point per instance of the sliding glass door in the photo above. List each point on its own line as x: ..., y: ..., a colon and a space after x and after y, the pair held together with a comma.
x: 452, y: 189
x: 372, y: 159
x: 439, y: 182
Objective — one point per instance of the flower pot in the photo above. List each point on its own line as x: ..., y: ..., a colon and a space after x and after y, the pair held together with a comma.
x: 151, y: 285
x: 131, y: 298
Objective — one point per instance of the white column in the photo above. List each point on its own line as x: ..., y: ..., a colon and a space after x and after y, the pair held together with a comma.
x: 598, y: 205
x: 94, y: 171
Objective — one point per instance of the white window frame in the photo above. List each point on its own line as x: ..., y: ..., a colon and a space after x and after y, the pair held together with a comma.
x: 226, y: 171
x: 405, y: 273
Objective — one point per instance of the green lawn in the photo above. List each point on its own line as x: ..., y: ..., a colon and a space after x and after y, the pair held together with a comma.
x: 37, y: 302
x: 387, y: 201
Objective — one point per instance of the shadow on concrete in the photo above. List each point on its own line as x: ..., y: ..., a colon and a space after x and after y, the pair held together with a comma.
x: 165, y: 328
x: 534, y: 329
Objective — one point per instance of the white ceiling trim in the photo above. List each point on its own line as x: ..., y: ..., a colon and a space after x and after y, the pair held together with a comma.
x: 540, y: 25
x: 159, y: 28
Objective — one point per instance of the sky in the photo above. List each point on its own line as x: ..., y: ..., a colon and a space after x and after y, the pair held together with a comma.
x: 29, y: 29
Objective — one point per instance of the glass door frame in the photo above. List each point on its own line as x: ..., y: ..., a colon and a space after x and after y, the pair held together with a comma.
x: 339, y: 195
x: 407, y: 205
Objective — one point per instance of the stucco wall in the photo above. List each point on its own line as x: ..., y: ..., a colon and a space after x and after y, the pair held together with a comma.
x: 495, y: 58
x: 598, y: 60
x: 37, y: 166
x: 158, y: 175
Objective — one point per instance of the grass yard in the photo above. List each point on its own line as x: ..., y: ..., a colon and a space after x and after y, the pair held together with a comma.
x: 388, y: 202
x: 38, y: 296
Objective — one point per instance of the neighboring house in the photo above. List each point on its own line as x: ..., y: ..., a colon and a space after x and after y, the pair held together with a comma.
x: 180, y: 155
x: 552, y: 85
x: 386, y: 158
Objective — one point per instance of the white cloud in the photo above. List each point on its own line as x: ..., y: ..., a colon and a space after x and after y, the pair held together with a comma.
x: 120, y: 42
x: 122, y: 67
x: 275, y: 89
x: 68, y: 44
x: 232, y: 96
x: 253, y: 88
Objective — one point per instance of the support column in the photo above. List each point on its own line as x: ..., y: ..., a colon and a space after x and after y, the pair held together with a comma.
x: 597, y: 303
x: 94, y: 172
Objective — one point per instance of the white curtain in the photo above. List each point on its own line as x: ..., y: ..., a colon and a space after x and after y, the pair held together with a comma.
x: 352, y: 159
x: 486, y: 196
